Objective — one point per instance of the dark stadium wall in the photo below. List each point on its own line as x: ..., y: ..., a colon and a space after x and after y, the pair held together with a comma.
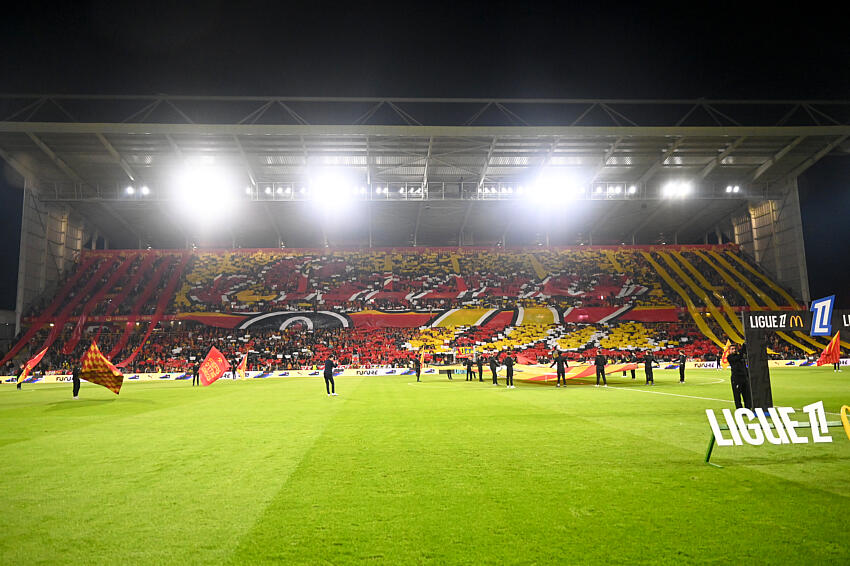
x: 10, y: 234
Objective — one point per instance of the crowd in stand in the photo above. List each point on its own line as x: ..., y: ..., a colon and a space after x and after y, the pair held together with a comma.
x: 268, y: 281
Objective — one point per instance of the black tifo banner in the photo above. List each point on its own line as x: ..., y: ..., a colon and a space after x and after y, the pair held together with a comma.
x: 758, y: 324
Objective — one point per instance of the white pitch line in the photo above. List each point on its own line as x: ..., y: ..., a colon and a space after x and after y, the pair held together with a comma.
x: 688, y: 396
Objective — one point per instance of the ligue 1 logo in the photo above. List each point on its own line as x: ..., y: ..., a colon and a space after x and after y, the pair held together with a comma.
x: 822, y: 317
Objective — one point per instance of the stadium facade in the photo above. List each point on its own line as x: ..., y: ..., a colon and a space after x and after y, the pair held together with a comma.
x: 105, y: 172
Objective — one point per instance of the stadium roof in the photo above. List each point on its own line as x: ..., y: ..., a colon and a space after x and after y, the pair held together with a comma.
x: 472, y: 156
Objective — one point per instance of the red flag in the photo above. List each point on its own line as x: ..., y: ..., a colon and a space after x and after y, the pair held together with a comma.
x: 832, y: 353
x: 213, y: 367
x: 97, y: 369
x: 726, y: 349
x: 31, y: 364
x: 242, y: 367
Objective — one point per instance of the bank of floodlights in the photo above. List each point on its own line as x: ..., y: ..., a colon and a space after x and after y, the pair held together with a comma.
x: 733, y: 189
x: 677, y: 189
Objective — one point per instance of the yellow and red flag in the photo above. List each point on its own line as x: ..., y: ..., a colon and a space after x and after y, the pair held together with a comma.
x: 213, y: 367
x: 832, y: 353
x: 726, y: 349
x: 31, y: 364
x: 97, y: 369
x: 242, y: 367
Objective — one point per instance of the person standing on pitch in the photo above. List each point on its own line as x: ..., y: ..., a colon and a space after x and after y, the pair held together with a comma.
x: 470, y: 375
x: 600, y: 362
x: 18, y: 378
x: 647, y: 368
x: 682, y: 360
x: 329, y: 376
x: 196, y: 375
x: 417, y: 366
x: 509, y: 371
x: 633, y: 360
x: 479, y: 363
x: 740, y: 377
x: 75, y: 379
x: 560, y: 362
x: 494, y: 365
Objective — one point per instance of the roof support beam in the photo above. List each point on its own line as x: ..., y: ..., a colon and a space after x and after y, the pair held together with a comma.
x: 608, y: 155
x: 815, y: 158
x: 487, y: 162
x: 427, y: 160
x: 58, y: 161
x: 660, y: 163
x: 719, y: 159
x: 248, y: 169
x: 117, y: 156
x: 763, y: 168
x: 463, y: 224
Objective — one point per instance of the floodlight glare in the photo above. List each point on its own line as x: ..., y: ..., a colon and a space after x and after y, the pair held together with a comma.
x: 130, y: 190
x: 247, y: 190
x: 206, y: 192
x: 268, y: 190
x: 332, y: 188
x: 632, y: 190
x: 736, y: 189
x: 728, y: 188
x: 145, y: 190
x: 288, y: 190
x: 676, y: 189
x: 555, y: 186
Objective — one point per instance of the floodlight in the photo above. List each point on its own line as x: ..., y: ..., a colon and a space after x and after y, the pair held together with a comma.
x: 288, y: 190
x: 555, y: 186
x: 632, y: 190
x: 332, y: 188
x: 362, y: 190
x: 736, y: 189
x: 401, y: 190
x: 130, y: 190
x: 599, y: 189
x: 280, y: 190
x: 145, y: 190
x: 676, y: 189
x: 728, y: 188
x: 247, y: 190
x: 206, y: 192
x: 268, y: 190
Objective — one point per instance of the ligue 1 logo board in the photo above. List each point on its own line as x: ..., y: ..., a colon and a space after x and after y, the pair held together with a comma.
x: 822, y: 316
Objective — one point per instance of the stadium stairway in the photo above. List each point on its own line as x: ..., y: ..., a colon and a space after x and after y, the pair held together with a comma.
x: 703, y: 327
x: 130, y: 285
x: 96, y: 298
x: 164, y: 298
x: 784, y: 294
x: 139, y: 303
x: 727, y: 308
x: 700, y: 292
x: 62, y: 318
x: 43, y: 317
x: 743, y: 292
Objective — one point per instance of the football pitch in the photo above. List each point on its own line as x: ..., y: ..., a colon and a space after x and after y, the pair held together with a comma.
x: 397, y: 472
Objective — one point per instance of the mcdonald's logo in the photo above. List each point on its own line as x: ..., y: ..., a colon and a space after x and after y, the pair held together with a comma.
x: 796, y: 321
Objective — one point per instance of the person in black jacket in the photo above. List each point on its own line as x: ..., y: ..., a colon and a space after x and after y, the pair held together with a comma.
x: 509, y: 371
x: 196, y: 379
x: 560, y: 370
x: 75, y: 379
x: 470, y: 374
x: 740, y: 377
x: 494, y: 365
x: 682, y: 360
x: 600, y: 362
x: 329, y: 376
x: 633, y: 360
x: 480, y: 364
x: 647, y: 368
x: 417, y: 366
x: 18, y: 378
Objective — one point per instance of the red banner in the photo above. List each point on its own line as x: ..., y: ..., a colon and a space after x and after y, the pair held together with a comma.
x: 213, y: 367
x: 378, y: 319
x: 31, y: 364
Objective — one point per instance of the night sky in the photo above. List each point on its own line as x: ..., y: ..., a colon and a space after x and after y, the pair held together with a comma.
x: 431, y: 49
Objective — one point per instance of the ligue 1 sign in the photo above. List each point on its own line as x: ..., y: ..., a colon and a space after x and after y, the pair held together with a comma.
x: 776, y: 425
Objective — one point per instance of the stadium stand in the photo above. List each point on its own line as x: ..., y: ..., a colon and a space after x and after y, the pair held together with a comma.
x: 158, y: 309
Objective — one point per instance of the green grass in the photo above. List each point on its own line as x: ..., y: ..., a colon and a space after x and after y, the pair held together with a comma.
x: 396, y: 472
